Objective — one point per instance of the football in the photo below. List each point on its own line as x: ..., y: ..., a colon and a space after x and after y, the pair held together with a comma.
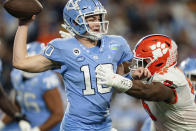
x: 23, y: 8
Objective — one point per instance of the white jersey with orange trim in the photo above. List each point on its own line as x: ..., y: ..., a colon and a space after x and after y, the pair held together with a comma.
x: 178, y: 116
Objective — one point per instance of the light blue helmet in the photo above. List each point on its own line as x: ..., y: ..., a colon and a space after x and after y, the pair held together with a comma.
x: 188, y: 66
x: 33, y: 48
x: 74, y: 15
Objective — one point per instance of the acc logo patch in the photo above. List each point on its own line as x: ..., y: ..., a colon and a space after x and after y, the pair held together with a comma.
x: 76, y: 51
x: 114, y: 47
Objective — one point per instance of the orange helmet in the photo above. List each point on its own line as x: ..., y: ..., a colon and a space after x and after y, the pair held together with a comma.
x: 155, y: 52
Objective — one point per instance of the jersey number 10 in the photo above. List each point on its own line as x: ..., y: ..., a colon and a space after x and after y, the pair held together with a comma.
x: 88, y: 84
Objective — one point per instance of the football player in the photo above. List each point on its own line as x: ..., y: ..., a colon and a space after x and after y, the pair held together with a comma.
x: 7, y: 105
x: 9, y: 108
x: 188, y: 66
x: 127, y: 113
x: 38, y: 97
x: 79, y: 57
x: 166, y: 94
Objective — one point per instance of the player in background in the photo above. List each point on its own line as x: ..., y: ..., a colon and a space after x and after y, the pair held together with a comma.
x: 167, y: 96
x: 38, y: 97
x: 7, y: 105
x: 9, y: 108
x: 127, y: 113
x: 188, y: 66
x: 79, y: 57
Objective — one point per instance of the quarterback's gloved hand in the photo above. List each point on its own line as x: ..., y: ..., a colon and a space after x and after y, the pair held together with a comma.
x: 108, y: 78
x: 24, y: 125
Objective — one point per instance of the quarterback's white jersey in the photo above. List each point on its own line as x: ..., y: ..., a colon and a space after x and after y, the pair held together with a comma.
x: 178, y: 116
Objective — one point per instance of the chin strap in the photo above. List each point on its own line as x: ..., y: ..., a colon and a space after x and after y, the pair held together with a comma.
x: 70, y: 34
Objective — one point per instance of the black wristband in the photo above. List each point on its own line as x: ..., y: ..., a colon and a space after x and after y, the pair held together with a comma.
x: 19, y: 116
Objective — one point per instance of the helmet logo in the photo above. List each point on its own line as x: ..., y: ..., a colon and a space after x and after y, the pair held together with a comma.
x: 71, y: 5
x: 159, y: 49
x: 76, y: 51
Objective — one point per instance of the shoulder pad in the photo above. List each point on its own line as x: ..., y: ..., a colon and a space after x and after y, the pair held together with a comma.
x: 60, y: 41
x: 173, y: 78
x: 115, y: 38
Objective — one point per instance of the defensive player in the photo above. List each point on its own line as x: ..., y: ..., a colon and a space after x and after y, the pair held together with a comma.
x: 188, y: 66
x: 78, y: 58
x: 167, y: 95
x: 38, y: 96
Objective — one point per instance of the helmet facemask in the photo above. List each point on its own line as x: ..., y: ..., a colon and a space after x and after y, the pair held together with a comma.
x: 103, y: 27
x: 75, y: 14
x: 140, y: 62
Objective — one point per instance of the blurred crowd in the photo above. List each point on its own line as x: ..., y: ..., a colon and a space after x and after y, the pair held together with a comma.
x: 132, y: 19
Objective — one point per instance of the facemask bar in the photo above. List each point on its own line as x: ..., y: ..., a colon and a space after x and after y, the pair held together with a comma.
x: 103, y: 27
x: 140, y: 62
x: 80, y: 20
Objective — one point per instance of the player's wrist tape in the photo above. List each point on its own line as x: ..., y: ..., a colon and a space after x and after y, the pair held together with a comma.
x: 121, y: 83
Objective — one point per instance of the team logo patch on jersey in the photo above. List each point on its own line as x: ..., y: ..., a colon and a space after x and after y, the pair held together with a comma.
x: 76, y: 51
x: 114, y: 47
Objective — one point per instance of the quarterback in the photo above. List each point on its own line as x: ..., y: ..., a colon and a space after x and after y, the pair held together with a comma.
x: 167, y: 96
x: 78, y: 58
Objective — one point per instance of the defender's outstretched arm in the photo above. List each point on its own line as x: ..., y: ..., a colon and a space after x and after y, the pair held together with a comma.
x: 137, y: 88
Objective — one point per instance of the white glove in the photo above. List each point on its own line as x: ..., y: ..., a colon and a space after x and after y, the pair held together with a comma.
x: 108, y: 78
x: 2, y: 125
x: 35, y: 129
x: 24, y: 125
